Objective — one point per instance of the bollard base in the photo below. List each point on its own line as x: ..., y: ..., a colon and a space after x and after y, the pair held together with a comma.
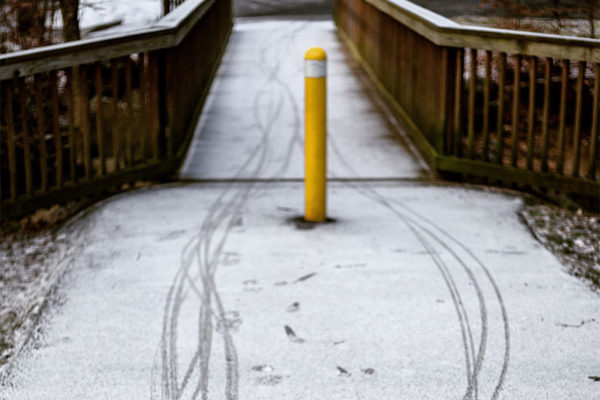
x: 304, y: 225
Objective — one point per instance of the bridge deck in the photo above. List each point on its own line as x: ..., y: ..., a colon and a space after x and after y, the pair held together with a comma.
x: 257, y: 101
x: 417, y: 290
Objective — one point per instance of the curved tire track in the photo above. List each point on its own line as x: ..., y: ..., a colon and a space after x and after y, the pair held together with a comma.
x: 206, y: 248
x: 473, y: 359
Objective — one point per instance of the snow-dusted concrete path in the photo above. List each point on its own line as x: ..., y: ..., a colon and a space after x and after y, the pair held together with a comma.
x: 212, y: 290
x: 256, y: 111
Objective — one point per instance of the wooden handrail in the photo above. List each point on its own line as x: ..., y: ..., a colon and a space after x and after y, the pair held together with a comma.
x: 167, y: 32
x: 81, y: 117
x: 445, y: 32
x: 507, y: 106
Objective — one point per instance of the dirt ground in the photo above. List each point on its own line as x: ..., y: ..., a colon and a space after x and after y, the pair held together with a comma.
x: 573, y: 237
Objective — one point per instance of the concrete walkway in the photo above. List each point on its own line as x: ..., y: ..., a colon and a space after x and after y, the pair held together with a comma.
x: 212, y: 290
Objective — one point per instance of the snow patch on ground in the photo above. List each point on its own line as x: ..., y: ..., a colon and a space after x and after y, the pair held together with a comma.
x: 31, y: 264
x: 134, y: 15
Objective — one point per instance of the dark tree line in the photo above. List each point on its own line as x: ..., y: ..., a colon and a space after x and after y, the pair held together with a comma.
x: 555, y: 9
x: 29, y: 23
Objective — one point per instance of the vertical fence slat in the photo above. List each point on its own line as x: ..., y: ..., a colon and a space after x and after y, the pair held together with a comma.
x: 514, y: 146
x: 71, y: 127
x: 546, y: 114
x: 564, y: 79
x: 114, y: 79
x: 169, y: 114
x: 458, y: 102
x: 99, y: 128
x: 56, y: 129
x: 129, y: 101
x: 39, y: 110
x: 143, y: 118
x: 500, y: 119
x: 577, y: 127
x: 85, y: 120
x: 595, y: 131
x: 25, y: 136
x: 10, y: 138
x: 486, y: 105
x: 472, y: 81
x: 153, y: 109
x: 443, y: 107
x: 531, y: 111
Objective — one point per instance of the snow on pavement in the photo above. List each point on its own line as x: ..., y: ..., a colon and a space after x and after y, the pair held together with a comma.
x: 134, y: 15
x: 370, y: 312
x: 415, y: 290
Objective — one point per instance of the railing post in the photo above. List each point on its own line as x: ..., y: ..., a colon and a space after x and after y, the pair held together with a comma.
x: 442, y: 127
x: 163, y: 122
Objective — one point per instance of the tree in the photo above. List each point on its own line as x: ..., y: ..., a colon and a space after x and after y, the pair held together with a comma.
x: 516, y: 10
x: 29, y: 23
x: 591, y: 9
x: 70, y: 15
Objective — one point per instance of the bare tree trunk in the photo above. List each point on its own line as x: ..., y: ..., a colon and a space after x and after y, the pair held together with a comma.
x: 592, y: 11
x: 557, y: 16
x: 70, y: 16
x: 30, y: 27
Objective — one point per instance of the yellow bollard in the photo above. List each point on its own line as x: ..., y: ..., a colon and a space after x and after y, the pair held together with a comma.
x: 315, y: 131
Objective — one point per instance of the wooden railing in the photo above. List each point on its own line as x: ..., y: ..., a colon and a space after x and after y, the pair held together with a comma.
x: 81, y: 117
x: 515, y: 107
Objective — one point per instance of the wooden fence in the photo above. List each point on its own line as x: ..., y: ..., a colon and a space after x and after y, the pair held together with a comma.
x: 515, y: 107
x: 81, y: 117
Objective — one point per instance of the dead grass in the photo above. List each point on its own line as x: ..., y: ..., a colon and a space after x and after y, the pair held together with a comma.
x: 573, y: 236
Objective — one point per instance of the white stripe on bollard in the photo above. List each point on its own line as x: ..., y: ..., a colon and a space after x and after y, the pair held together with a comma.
x: 315, y: 68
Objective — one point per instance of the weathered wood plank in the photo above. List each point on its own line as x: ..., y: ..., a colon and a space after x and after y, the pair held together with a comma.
x: 10, y: 209
x: 10, y: 137
x: 143, y: 116
x: 595, y: 129
x: 25, y: 135
x: 114, y: 78
x: 58, y: 160
x: 514, y: 146
x: 486, y: 105
x: 458, y: 102
x: 546, y: 113
x: 442, y: 119
x: 41, y: 130
x: 564, y: 80
x: 71, y: 126
x: 129, y: 118
x: 577, y: 127
x: 509, y: 174
x: 531, y: 111
x: 85, y: 121
x: 500, y: 118
x: 169, y: 105
x: 153, y: 106
x: 471, y: 118
x: 99, y: 128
